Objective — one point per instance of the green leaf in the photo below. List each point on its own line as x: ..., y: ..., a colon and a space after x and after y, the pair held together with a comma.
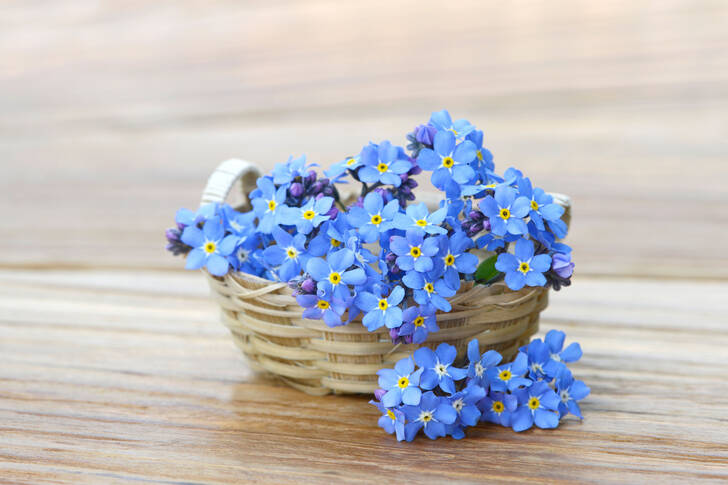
x: 486, y: 270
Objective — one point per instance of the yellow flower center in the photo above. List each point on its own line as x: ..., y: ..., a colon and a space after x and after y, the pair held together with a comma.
x: 505, y: 214
x: 334, y: 278
x: 376, y: 219
x: 308, y: 215
x: 292, y: 253
x: 383, y: 304
x: 479, y: 154
x: 403, y: 382
x: 429, y: 288
x: 448, y: 162
x: 534, y: 205
x: 426, y: 416
x: 419, y: 321
x: 382, y: 167
x: 391, y: 415
x: 449, y: 260
x: 421, y: 223
x: 323, y: 304
x: 349, y: 163
x: 490, y: 186
x: 415, y: 252
x: 210, y: 247
x: 524, y: 267
x: 272, y: 205
x: 505, y: 375
x: 534, y: 403
x: 497, y: 407
x: 335, y: 243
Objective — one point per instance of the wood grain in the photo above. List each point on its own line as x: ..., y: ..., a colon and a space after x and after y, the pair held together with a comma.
x: 113, y: 366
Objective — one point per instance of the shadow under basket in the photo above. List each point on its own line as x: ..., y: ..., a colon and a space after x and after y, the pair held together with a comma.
x: 267, y: 325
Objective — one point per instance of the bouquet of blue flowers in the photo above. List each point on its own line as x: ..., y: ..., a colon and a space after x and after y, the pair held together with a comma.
x: 379, y: 258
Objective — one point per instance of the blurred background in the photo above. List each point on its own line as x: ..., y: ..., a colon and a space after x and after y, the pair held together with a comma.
x: 113, y: 114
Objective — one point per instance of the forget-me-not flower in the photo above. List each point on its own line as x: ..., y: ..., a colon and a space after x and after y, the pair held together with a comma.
x: 497, y: 407
x: 449, y: 161
x: 414, y: 252
x: 333, y: 275
x: 289, y: 253
x: 268, y: 204
x: 417, y: 217
x: 438, y: 368
x: 433, y: 414
x: 523, y: 268
x: 443, y: 122
x: 430, y: 288
x: 380, y: 310
x: 383, y: 163
x: 480, y: 363
x: 541, y: 204
x: 322, y: 306
x: 374, y: 217
x: 401, y: 384
x: 338, y: 169
x: 509, y: 376
x: 210, y: 247
x: 570, y: 391
x: 310, y: 215
x: 555, y: 341
x: 506, y: 211
x: 418, y: 321
x: 537, y: 404
x: 455, y: 258
x: 392, y: 420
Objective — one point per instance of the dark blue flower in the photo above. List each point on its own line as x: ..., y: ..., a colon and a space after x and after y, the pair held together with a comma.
x: 379, y: 310
x: 523, y: 268
x: 333, y: 275
x: 438, y: 368
x: 289, y: 253
x: 465, y: 404
x: 433, y: 414
x: 392, y: 420
x: 401, y: 384
x: 506, y: 211
x: 509, y: 377
x: 570, y: 391
x: 374, y: 217
x: 210, y: 247
x: 418, y: 321
x: 383, y: 163
x: 414, y: 252
x: 268, y: 204
x: 479, y: 364
x: 310, y: 215
x: 419, y: 218
x: 450, y: 162
x: 536, y: 404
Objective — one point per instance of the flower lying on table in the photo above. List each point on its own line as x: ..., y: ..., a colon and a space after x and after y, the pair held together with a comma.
x: 379, y: 259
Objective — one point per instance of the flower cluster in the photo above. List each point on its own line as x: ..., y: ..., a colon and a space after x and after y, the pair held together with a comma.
x: 441, y: 399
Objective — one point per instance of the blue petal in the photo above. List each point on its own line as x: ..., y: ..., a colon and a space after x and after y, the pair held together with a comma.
x: 541, y: 263
x: 515, y: 280
x: 572, y: 353
x: 192, y: 236
x: 524, y: 250
x: 546, y: 419
x: 196, y: 259
x: 446, y: 353
x: 393, y: 397
x: 412, y: 396
x: 425, y: 358
x: 217, y: 265
x: 318, y: 268
x: 428, y: 160
x: 506, y: 263
x: 444, y: 143
x: 388, y: 378
x: 522, y: 419
x: 445, y: 413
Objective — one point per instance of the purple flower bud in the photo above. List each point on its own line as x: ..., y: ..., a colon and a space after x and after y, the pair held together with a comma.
x: 296, y: 189
x: 407, y: 339
x: 308, y: 286
x: 562, y: 265
x: 394, y: 333
x: 425, y: 134
x: 415, y: 170
x: 333, y: 212
x: 378, y: 393
x: 390, y: 257
x: 310, y: 177
x: 318, y: 186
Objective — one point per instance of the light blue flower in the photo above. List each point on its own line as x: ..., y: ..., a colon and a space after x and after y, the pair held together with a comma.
x: 433, y: 414
x: 430, y: 288
x: 483, y: 162
x: 268, y: 204
x: 570, y: 391
x: 537, y: 404
x: 414, y: 252
x: 418, y: 217
x: 419, y: 321
x: 379, y: 310
x: 505, y: 211
x: 465, y: 404
x: 383, y: 163
x: 540, y: 364
x: 392, y: 420
x: 523, y: 268
x: 509, y: 377
x: 333, y: 275
x: 450, y: 162
x: 443, y: 122
x: 289, y: 253
x: 541, y: 205
x: 284, y: 173
x: 480, y: 363
x: 210, y: 247
x: 497, y: 407
x: 438, y: 368
x: 401, y: 384
x: 455, y: 258
x: 338, y: 169
x: 322, y: 306
x: 307, y: 217
x: 187, y: 217
x: 555, y: 341
x: 374, y: 217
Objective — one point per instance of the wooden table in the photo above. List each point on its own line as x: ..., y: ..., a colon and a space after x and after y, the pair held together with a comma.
x: 113, y: 368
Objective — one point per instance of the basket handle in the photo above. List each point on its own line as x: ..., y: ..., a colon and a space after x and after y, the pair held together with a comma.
x: 223, y: 179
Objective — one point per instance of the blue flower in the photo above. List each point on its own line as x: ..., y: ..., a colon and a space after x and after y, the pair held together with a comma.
x: 414, y: 252
x: 334, y: 274
x: 338, y: 169
x: 392, y: 420
x: 537, y: 404
x: 479, y: 364
x: 187, y: 217
x: 541, y: 205
x: 442, y: 121
x: 401, y: 384
x: 383, y: 163
x: 491, y: 241
x: 555, y: 341
x: 497, y: 407
x: 419, y: 322
x: 322, y: 306
x: 268, y: 204
x: 289, y: 253
x: 465, y: 404
x: 210, y: 247
x: 438, y: 369
x: 430, y: 289
x: 509, y: 377
x: 524, y: 268
x: 381, y: 311
x: 483, y: 162
x: 455, y: 258
x: 418, y: 217
x: 284, y: 173
x: 449, y: 161
x: 505, y: 211
x: 433, y: 414
x: 310, y: 215
x: 540, y: 364
x: 374, y: 218
x: 569, y: 392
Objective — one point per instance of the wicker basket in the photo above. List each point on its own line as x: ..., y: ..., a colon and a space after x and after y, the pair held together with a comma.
x: 266, y: 322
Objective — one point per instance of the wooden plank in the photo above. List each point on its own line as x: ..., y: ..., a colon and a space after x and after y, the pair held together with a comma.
x: 119, y: 376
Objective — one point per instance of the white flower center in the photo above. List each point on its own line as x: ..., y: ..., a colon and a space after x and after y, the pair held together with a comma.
x: 458, y: 405
x: 425, y: 417
x: 536, y: 368
x: 242, y: 255
x: 556, y: 357
x: 565, y: 396
x: 479, y: 369
x: 441, y: 369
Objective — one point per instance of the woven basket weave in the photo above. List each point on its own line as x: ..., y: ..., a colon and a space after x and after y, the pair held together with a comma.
x: 266, y: 322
